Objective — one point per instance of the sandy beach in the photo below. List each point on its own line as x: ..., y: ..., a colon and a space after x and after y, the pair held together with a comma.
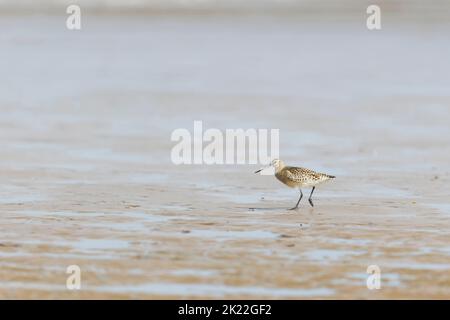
x: 86, y: 176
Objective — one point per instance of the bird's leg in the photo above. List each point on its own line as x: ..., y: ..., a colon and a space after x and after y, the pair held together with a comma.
x: 296, y: 206
x: 310, y: 197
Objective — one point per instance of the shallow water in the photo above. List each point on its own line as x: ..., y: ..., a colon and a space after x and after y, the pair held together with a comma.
x: 217, y: 290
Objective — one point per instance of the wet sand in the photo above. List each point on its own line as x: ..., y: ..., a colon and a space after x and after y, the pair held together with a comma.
x: 86, y: 176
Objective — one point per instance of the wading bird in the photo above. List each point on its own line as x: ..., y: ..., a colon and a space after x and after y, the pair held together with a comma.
x: 296, y: 177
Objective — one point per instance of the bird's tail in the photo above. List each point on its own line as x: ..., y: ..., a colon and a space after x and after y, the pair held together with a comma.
x: 331, y: 177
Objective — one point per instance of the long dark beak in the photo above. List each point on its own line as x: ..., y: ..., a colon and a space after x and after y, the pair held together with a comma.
x: 257, y: 171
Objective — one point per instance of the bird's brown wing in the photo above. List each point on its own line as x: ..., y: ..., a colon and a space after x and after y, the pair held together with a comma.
x: 298, y: 174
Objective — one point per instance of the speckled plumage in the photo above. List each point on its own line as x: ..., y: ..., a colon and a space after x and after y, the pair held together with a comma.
x: 296, y: 177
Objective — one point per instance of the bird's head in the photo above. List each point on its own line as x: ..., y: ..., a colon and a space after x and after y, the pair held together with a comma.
x: 277, y: 164
x: 273, y: 167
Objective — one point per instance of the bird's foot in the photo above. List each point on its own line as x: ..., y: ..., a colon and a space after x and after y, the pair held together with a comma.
x: 311, y: 203
x: 294, y: 208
